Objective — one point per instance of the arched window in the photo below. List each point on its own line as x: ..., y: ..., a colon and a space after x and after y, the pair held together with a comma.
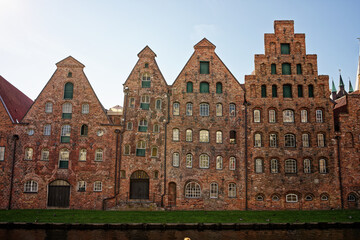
x: 324, y: 197
x: 48, y: 107
x: 127, y: 149
x: 322, y: 166
x: 287, y: 91
x: 275, y: 198
x: 64, y: 158
x: 189, y: 160
x: 146, y: 80
x: 274, y: 166
x: 158, y: 104
x: 176, y: 134
x: 303, y: 116
x: 305, y: 140
x: 189, y: 135
x: 307, y: 166
x: 257, y: 140
x: 219, y: 87
x: 176, y: 159
x: 47, y: 130
x: 45, y: 154
x: 204, y: 87
x: 259, y: 165
x: 69, y: 74
x: 143, y: 125
x: 189, y: 109
x: 219, y: 137
x: 286, y: 69
x: 290, y: 140
x: 31, y: 186
x: 259, y: 197
x: 219, y: 162
x: 272, y: 140
x: 232, y: 110
x: 192, y: 190
x: 272, y: 116
x: 82, y: 155
x: 232, y: 190
x: 154, y: 152
x: 204, y: 136
x: 219, y: 110
x: 85, y: 108
x: 263, y: 91
x: 204, y: 109
x: 99, y: 153
x: 351, y: 197
x: 66, y: 110
x: 309, y: 197
x: 288, y: 116
x: 68, y: 90
x: 214, y: 190
x: 65, y: 134
x: 84, y: 130
x: 140, y: 148
x: 291, y: 198
x: 189, y: 87
x: 232, y: 137
x: 232, y: 163
x: 274, y: 91
x: 290, y: 166
x: 156, y: 128
x: 319, y: 116
x: 204, y: 161
x: 321, y: 140
x: 257, y: 116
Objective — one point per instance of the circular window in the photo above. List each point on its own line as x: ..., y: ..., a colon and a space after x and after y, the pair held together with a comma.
x: 100, y: 132
x: 30, y: 132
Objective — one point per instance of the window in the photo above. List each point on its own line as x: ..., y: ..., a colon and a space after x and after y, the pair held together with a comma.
x: 272, y: 116
x: 189, y: 109
x: 97, y: 186
x: 303, y: 116
x: 146, y: 65
x: 298, y: 69
x: 307, y: 166
x: 176, y: 109
x: 219, y: 87
x: 143, y: 125
x: 259, y: 198
x: 300, y: 91
x: 81, y: 186
x: 232, y: 110
x: 145, y: 102
x: 272, y: 140
x: 129, y: 126
x: 204, y: 136
x: 286, y: 69
x: 45, y: 154
x: 69, y: 74
x: 31, y: 187
x: 146, y: 81
x: 154, y: 152
x: 219, y: 162
x: 192, y: 190
x: 258, y: 165
x: 257, y: 115
x: 66, y: 111
x: 204, y: 68
x: 287, y: 91
x: 47, y: 130
x: 31, y: 132
x: 132, y: 102
x: 233, y: 137
x: 82, y: 155
x: 48, y: 107
x: 189, y: 87
x: 274, y: 91
x: 176, y: 134
x: 140, y: 148
x: 263, y: 91
x: 219, y: 137
x: 232, y: 190
x: 290, y: 166
x: 290, y: 140
x: 65, y: 134
x: 274, y: 166
x: 176, y: 159
x: 156, y: 174
x: 257, y: 140
x: 321, y: 140
x: 99, y: 154
x: 219, y: 110
x: 308, y: 197
x: 288, y: 116
x: 291, y: 198
x: 273, y: 68
x: 285, y: 48
x: 232, y: 163
x: 275, y: 198
x: 322, y: 166
x: 2, y: 153
x: 351, y: 197
x: 189, y: 160
x: 214, y: 190
x: 158, y: 104
x: 84, y: 130
x: 127, y: 150
x: 29, y: 153
x: 204, y: 87
x: 64, y: 158
x: 311, y: 91
x: 189, y: 135
x: 156, y: 128
x: 324, y: 197
x: 319, y: 116
x: 204, y: 161
x: 68, y: 90
x: 85, y: 108
x: 305, y: 140
x: 204, y: 109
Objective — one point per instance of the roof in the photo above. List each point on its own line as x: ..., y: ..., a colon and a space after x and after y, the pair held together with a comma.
x: 340, y: 102
x: 15, y: 102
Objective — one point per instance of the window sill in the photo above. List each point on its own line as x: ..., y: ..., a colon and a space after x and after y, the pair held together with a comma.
x: 31, y: 192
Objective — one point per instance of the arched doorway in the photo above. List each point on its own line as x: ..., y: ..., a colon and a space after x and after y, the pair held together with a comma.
x: 172, y: 194
x: 59, y: 194
x: 139, y: 185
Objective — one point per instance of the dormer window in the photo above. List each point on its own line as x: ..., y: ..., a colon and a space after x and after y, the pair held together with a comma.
x: 204, y: 68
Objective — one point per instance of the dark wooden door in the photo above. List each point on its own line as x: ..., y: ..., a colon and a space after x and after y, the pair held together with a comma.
x: 139, y: 188
x: 59, y: 196
x: 172, y: 194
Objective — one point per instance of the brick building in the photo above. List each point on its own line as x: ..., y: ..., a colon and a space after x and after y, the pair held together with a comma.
x: 205, y: 142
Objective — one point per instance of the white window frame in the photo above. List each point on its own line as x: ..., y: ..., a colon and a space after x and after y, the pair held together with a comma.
x: 259, y: 168
x: 45, y: 154
x: 322, y: 166
x: 304, y: 116
x: 219, y: 162
x: 189, y: 160
x: 176, y: 159
x: 257, y: 116
x: 85, y: 109
x: 81, y: 186
x: 204, y: 136
x: 257, y: 140
x: 67, y: 108
x: 204, y: 161
x: 176, y: 135
x: 47, y: 130
x: 219, y: 138
x: 272, y: 116
x: 319, y: 116
x: 189, y: 109
x: 321, y: 140
x: 204, y: 109
x: 29, y: 153
x: 232, y: 190
x: 232, y: 110
x: 99, y: 155
x: 48, y: 107
x: 176, y: 109
x: 31, y: 186
x: 232, y: 163
x: 214, y: 190
x: 274, y: 166
x: 307, y: 165
x: 292, y: 198
x: 97, y: 186
x: 189, y: 135
x: 273, y: 140
x: 305, y: 140
x: 192, y: 190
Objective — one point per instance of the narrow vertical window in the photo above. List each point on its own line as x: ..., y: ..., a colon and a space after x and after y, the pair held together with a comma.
x: 257, y: 116
x: 219, y: 111
x: 272, y: 140
x: 232, y: 110
x: 304, y: 116
x: 68, y: 90
x: 322, y: 166
x: 232, y: 163
x: 127, y: 149
x: 232, y: 137
x: 99, y: 153
x: 140, y: 148
x: 82, y: 155
x: 189, y: 109
x: 129, y: 126
x: 146, y: 81
x: 300, y: 91
x: 273, y: 68
x: 307, y: 166
x: 311, y: 91
x: 204, y: 87
x: 45, y: 154
x: 158, y: 104
x: 85, y: 108
x: 214, y: 189
x: 176, y: 135
x: 189, y: 160
x: 64, y: 158
x: 189, y: 135
x: 219, y: 137
x: 298, y: 69
x: 154, y: 152
x: 319, y: 116
x: 272, y: 116
x: 176, y: 109
x: 321, y: 140
x: 2, y: 153
x: 274, y: 168
x: 219, y: 87
x: 305, y: 140
x: 156, y: 128
x: 257, y: 140
x: 131, y: 102
x: 232, y: 190
x: 258, y: 165
x: 287, y: 91
x: 204, y: 161
x: 48, y: 107
x: 189, y: 87
x: 65, y: 134
x: 47, y: 130
x: 67, y: 110
x: 263, y: 91
x: 219, y: 162
x: 204, y: 68
x: 84, y: 130
x: 274, y: 91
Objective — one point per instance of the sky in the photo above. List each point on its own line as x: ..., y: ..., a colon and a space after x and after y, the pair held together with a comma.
x: 107, y: 35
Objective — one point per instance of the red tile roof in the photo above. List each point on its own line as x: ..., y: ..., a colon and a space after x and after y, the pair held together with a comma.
x: 340, y: 102
x: 15, y: 102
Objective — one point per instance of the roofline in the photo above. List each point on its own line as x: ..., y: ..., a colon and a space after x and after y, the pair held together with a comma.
x: 7, y: 110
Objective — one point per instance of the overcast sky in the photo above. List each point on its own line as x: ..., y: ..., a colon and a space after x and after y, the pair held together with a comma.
x: 106, y: 37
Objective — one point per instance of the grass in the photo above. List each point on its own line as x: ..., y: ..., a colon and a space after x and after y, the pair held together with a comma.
x: 93, y: 216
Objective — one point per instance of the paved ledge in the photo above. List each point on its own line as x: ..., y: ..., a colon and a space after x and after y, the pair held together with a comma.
x: 180, y: 226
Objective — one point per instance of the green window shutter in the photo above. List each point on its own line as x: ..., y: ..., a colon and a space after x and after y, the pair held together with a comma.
x: 65, y: 139
x: 140, y: 152
x: 286, y: 69
x: 287, y: 91
x: 143, y: 128
x: 311, y: 91
x: 300, y: 91
x: 298, y: 69
x: 145, y: 106
x: 218, y: 87
x: 145, y: 84
x: 273, y: 68
x: 274, y: 91
x: 285, y: 48
x: 189, y: 87
x: 66, y: 115
x: 204, y: 68
x: 204, y: 87
x: 68, y: 91
x: 63, y: 164
x: 263, y: 91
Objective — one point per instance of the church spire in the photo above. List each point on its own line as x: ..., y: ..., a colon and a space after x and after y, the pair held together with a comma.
x: 333, y: 88
x: 341, y: 82
x: 350, y: 87
x: 357, y: 87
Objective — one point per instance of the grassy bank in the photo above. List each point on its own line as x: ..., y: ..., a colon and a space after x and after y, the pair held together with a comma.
x: 82, y: 216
